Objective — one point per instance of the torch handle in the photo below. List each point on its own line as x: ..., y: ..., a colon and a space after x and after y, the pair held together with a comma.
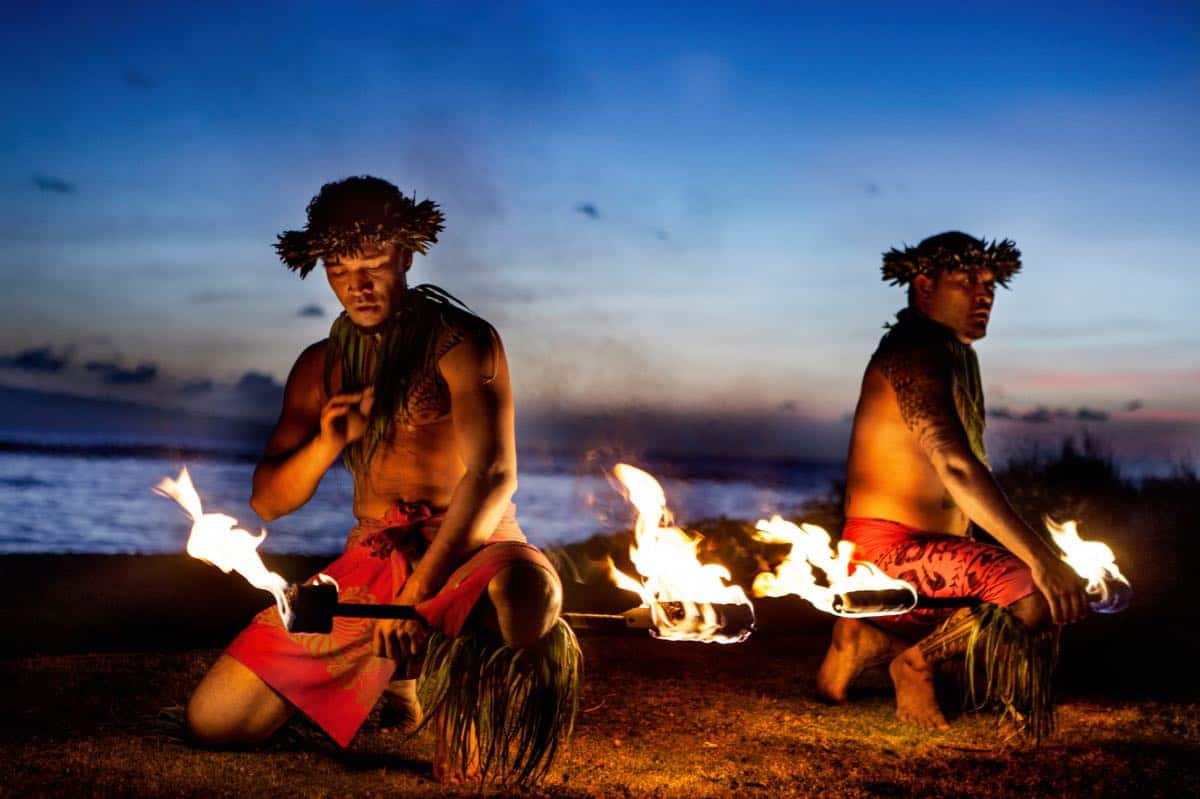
x: 365, y: 611
x: 947, y: 601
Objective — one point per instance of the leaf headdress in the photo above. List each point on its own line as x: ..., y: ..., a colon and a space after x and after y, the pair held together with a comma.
x: 356, y: 213
x: 951, y: 252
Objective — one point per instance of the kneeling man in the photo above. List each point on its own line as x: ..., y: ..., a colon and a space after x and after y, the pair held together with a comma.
x: 413, y: 391
x: 917, y: 478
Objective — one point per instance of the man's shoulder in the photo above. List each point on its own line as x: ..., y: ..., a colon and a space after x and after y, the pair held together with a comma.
x: 907, y: 348
x: 458, y: 325
x: 909, y: 335
x: 464, y: 321
x: 310, y: 364
x: 314, y: 353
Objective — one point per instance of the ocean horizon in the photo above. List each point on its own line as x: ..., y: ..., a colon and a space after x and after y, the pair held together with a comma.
x: 63, y: 493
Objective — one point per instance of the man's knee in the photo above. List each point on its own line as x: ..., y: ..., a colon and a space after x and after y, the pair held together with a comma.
x: 527, y: 599
x: 232, y: 706
x: 1032, y: 611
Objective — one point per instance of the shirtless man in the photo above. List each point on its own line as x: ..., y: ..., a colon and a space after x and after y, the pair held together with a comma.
x: 414, y: 392
x: 918, y: 476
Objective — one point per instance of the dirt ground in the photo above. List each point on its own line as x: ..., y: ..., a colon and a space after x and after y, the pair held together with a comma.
x: 659, y: 719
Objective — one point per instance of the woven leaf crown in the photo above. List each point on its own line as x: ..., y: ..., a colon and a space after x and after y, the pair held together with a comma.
x: 950, y: 252
x: 350, y: 215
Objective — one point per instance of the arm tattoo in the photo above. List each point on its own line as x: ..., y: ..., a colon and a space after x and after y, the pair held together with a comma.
x: 923, y: 384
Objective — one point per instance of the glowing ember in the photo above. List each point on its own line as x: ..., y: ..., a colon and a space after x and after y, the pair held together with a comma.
x: 1094, y: 562
x: 680, y: 591
x: 844, y: 576
x: 215, y: 540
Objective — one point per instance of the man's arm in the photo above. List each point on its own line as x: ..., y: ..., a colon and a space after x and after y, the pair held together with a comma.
x: 307, y: 439
x: 476, y: 372
x: 923, y: 383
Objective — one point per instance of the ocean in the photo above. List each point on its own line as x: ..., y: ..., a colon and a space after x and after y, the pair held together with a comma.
x: 66, y: 495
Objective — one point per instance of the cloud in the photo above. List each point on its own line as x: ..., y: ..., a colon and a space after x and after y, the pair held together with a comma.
x: 1039, y: 415
x: 54, y: 185
x: 139, y: 375
x: 39, y: 359
x: 197, y: 387
x: 1113, y: 381
x: 101, y: 366
x: 259, y: 386
x: 587, y: 209
x: 137, y: 79
x: 114, y: 374
x: 1043, y: 414
x: 312, y: 310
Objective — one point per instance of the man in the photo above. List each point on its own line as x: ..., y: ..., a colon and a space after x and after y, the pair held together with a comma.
x: 414, y: 392
x: 918, y: 476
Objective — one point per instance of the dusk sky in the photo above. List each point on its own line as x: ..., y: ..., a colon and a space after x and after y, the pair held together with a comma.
x: 674, y: 213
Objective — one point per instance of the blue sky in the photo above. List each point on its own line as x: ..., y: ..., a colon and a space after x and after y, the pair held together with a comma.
x: 665, y: 210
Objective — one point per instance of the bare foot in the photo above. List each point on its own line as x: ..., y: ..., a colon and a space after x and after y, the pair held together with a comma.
x: 856, y: 647
x: 916, y: 701
x: 448, y: 767
x: 401, y: 708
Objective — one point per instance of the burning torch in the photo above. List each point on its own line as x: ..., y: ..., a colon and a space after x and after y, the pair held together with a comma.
x: 308, y: 608
x: 858, y: 589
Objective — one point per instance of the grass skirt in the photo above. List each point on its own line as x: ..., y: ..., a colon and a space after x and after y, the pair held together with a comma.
x: 1010, y: 668
x: 521, y: 703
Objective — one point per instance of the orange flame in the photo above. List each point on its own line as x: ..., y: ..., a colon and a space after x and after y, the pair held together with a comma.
x: 811, y: 549
x: 1093, y: 561
x: 215, y: 540
x: 665, y: 558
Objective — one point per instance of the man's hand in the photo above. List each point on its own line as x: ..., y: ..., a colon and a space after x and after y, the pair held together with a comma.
x: 344, y: 417
x: 399, y: 639
x: 1063, y: 590
x: 402, y: 639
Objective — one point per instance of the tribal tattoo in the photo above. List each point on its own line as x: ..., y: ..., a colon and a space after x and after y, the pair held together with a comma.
x: 950, y: 639
x: 429, y: 397
x: 923, y: 384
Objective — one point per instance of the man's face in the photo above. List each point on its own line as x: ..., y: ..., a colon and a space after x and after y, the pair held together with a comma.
x: 370, y: 283
x: 961, y: 300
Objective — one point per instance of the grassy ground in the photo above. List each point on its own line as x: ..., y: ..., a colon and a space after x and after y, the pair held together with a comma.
x: 659, y: 720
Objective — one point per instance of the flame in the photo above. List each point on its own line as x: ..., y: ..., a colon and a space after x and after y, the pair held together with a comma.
x: 679, y: 590
x: 215, y: 540
x: 811, y: 550
x: 1093, y: 561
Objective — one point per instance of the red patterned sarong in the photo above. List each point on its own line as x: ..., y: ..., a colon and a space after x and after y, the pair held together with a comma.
x: 335, y: 679
x: 937, y: 565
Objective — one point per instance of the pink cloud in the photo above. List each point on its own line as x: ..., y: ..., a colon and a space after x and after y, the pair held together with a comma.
x: 1130, y: 381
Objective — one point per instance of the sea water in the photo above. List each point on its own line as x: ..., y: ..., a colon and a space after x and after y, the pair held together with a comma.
x: 98, y: 502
